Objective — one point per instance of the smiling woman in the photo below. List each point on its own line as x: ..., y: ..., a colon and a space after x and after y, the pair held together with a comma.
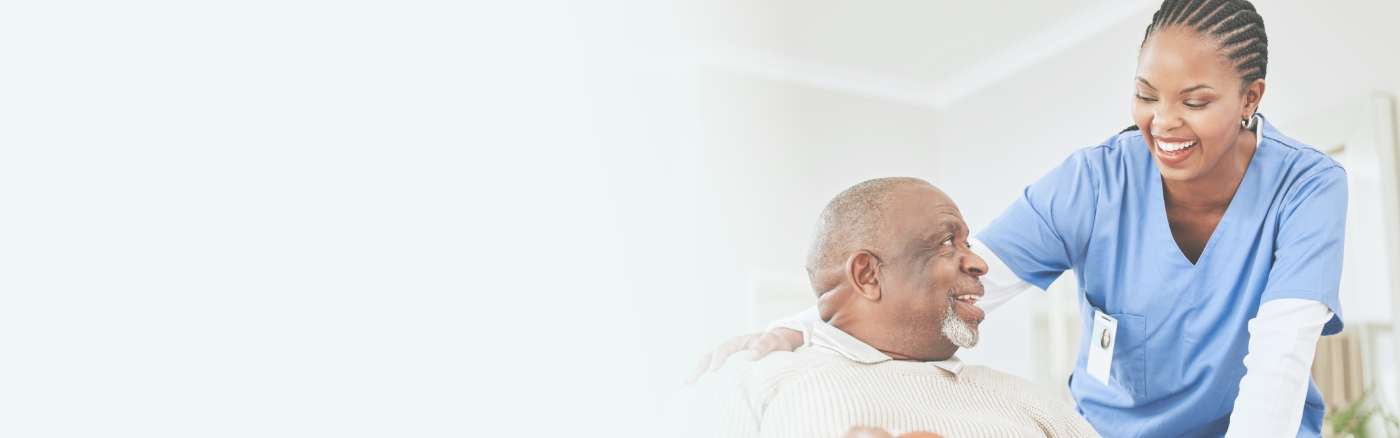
x: 1213, y: 240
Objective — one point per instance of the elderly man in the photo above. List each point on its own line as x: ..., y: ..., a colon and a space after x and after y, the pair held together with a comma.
x: 897, y: 291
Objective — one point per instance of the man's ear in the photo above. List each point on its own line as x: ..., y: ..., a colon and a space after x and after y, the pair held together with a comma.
x: 863, y: 272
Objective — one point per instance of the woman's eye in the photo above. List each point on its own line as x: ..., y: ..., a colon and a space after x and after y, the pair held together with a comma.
x: 1194, y: 105
x: 1145, y: 98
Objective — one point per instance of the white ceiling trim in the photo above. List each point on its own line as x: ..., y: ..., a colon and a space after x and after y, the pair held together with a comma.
x: 977, y: 76
x: 818, y: 75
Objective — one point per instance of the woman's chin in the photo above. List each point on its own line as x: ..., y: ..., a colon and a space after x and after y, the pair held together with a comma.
x: 1179, y: 172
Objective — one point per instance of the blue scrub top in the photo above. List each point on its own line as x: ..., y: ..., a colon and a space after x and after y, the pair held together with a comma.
x: 1182, y: 328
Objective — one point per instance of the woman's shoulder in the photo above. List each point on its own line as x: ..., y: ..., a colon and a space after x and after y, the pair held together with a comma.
x: 1300, y: 173
x: 1295, y: 158
x: 1113, y: 149
x: 1111, y: 158
x: 1115, y: 144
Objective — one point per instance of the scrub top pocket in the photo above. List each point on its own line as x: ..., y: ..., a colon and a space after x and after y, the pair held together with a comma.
x: 1129, y: 369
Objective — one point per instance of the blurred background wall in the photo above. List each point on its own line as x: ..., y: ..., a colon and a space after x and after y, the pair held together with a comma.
x: 441, y: 218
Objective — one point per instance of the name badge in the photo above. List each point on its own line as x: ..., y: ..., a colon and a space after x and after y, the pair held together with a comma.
x: 1101, y: 341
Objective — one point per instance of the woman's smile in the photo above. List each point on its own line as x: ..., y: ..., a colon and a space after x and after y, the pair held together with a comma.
x: 1171, y: 150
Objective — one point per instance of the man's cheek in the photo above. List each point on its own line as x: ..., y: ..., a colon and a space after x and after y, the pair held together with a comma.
x: 934, y: 309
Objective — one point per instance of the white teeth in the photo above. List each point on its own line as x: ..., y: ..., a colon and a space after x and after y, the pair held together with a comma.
x: 1173, y: 147
x: 973, y: 298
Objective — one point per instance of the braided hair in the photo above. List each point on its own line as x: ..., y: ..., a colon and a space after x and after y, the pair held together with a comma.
x: 1233, y: 24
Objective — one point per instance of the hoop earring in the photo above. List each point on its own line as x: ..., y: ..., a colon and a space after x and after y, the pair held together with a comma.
x: 1250, y: 122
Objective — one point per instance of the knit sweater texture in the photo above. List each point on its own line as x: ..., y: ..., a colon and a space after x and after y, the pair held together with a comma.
x: 825, y: 388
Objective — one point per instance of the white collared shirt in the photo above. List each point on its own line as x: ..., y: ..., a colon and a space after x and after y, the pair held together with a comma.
x: 829, y: 339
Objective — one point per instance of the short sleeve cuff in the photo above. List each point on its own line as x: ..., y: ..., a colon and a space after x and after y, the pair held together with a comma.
x: 1333, y: 326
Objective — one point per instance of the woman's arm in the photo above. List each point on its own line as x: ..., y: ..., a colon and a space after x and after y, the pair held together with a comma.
x: 1300, y: 305
x: 1282, y: 340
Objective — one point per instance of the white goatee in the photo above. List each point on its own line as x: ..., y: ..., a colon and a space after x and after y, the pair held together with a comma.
x: 957, y: 330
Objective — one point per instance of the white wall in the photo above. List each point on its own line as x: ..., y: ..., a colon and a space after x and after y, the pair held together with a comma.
x: 1321, y: 56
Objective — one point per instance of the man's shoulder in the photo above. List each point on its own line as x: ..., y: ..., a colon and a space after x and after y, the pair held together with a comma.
x: 783, y: 366
x: 983, y: 372
x: 772, y: 370
x: 1053, y: 414
x: 729, y: 402
x: 1007, y: 384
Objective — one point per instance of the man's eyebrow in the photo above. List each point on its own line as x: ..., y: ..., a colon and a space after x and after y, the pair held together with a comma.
x: 1198, y: 87
x: 950, y: 227
x: 1144, y: 82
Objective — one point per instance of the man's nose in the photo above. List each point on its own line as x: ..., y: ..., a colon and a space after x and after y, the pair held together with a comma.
x: 973, y: 265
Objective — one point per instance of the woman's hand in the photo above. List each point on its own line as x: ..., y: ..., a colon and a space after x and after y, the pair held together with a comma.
x: 759, y: 345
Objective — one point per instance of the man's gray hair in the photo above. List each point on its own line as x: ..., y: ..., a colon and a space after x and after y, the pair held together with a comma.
x: 852, y: 221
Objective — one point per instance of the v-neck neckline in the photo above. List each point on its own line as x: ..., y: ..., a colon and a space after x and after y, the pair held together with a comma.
x: 1159, y: 201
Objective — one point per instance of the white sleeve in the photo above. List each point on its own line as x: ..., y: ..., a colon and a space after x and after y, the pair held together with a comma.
x: 798, y: 322
x: 1282, y: 341
x: 1000, y: 284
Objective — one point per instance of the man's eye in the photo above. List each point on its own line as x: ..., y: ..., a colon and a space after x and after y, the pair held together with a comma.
x: 949, y: 241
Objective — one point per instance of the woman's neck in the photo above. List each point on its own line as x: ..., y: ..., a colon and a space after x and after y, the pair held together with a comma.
x: 1214, y: 190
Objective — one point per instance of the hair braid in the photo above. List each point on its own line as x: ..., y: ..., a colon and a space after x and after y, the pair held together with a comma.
x: 1234, y: 25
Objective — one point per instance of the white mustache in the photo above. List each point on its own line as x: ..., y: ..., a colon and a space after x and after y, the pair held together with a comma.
x: 959, y: 288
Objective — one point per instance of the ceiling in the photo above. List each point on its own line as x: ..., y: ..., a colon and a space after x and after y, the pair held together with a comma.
x: 925, y: 52
x: 917, y: 39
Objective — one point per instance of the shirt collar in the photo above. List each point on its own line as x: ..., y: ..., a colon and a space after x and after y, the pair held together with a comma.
x: 827, y: 337
x: 1259, y: 129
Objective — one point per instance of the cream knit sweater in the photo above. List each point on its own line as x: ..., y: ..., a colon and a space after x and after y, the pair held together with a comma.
x: 836, y: 382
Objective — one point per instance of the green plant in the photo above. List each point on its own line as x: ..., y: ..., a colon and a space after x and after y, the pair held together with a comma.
x: 1351, y: 422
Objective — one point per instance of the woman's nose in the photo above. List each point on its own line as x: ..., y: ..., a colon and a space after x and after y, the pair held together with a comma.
x: 1164, y: 120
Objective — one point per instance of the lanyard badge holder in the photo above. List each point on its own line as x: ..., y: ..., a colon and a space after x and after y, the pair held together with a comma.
x: 1102, y: 341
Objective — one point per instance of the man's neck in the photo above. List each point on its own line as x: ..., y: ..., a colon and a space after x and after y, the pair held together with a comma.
x: 903, y: 358
x: 887, y: 338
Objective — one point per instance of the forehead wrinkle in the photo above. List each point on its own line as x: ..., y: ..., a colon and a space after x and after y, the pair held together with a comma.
x: 943, y: 224
x: 950, y: 210
x: 957, y: 226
